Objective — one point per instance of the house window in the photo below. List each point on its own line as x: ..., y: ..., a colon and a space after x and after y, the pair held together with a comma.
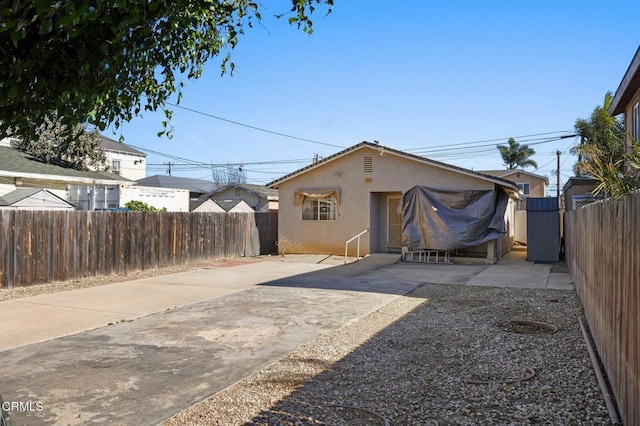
x: 319, y: 209
x: 115, y: 166
x: 524, y: 188
x: 635, y: 122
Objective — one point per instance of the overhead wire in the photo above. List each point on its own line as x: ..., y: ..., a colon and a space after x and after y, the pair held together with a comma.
x: 249, y: 126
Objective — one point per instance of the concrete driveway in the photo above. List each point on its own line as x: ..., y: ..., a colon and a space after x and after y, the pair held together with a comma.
x: 177, y: 339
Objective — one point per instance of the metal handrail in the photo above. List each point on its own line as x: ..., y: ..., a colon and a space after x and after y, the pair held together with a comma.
x: 346, y: 245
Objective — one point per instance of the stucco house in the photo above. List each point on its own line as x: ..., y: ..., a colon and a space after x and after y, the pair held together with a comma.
x: 323, y: 205
x: 258, y: 197
x: 207, y: 205
x: 627, y: 99
x: 530, y: 184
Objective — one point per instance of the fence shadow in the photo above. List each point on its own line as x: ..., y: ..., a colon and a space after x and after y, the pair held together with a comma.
x: 416, y: 370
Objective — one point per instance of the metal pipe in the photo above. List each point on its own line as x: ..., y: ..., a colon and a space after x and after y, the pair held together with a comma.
x: 608, y: 400
x: 346, y: 245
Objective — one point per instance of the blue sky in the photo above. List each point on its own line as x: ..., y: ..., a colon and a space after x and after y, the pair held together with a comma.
x: 419, y: 77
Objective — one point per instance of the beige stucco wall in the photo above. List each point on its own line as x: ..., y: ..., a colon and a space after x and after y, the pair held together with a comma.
x: 209, y: 206
x: 242, y: 207
x: 537, y: 187
x: 391, y: 174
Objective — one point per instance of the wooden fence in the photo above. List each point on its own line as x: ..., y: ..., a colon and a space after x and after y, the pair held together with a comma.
x: 45, y: 246
x: 602, y: 242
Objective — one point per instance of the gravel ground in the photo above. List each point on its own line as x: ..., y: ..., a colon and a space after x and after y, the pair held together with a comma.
x: 443, y: 354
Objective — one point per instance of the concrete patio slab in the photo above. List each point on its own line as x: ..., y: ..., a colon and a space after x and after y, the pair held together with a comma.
x: 523, y: 275
x: 560, y: 281
x: 38, y: 318
x: 144, y: 370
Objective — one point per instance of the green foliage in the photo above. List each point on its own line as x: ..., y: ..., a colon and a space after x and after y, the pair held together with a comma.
x: 601, y: 135
x: 105, y: 62
x: 611, y: 181
x: 71, y: 146
x: 141, y: 206
x: 602, y: 152
x: 516, y: 156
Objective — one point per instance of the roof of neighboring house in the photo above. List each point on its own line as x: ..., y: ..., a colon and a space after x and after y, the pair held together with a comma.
x: 228, y: 204
x: 384, y: 149
x: 629, y: 85
x: 165, y: 181
x: 259, y: 190
x: 504, y: 173
x: 194, y: 204
x: 20, y: 164
x: 108, y: 144
x: 20, y: 194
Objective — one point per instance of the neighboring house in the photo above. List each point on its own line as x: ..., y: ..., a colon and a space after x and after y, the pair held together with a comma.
x: 116, y: 196
x: 33, y: 199
x: 578, y: 192
x: 235, y: 206
x: 361, y: 188
x: 196, y: 187
x: 20, y: 170
x: 530, y: 184
x: 124, y: 160
x: 627, y: 99
x: 204, y: 204
x: 258, y: 197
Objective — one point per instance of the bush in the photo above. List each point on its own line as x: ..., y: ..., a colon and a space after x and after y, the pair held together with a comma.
x: 140, y: 206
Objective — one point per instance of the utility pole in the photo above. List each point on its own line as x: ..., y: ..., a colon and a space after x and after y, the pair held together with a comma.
x: 168, y: 168
x: 558, y: 177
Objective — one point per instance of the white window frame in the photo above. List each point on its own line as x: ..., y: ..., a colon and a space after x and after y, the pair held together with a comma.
x: 635, y: 122
x: 115, y: 166
x: 522, y: 187
x: 323, y: 209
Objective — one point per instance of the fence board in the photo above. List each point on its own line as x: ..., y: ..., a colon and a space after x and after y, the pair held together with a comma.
x: 603, y: 253
x: 44, y: 246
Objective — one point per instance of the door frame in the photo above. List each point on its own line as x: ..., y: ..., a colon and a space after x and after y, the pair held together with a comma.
x: 393, y: 215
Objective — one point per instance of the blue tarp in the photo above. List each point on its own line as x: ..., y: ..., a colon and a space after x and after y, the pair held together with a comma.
x: 447, y: 220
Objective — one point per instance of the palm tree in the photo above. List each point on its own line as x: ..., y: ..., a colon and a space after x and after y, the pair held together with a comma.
x: 601, y: 135
x: 517, y: 156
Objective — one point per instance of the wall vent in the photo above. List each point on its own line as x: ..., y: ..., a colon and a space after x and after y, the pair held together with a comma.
x: 368, y: 164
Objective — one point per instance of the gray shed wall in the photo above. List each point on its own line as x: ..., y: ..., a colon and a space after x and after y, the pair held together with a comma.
x: 543, y: 230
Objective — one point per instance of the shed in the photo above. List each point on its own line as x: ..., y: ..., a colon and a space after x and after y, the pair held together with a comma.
x: 33, y: 199
x: 543, y: 229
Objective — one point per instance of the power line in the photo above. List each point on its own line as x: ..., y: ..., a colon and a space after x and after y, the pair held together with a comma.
x: 237, y: 123
x: 485, y: 140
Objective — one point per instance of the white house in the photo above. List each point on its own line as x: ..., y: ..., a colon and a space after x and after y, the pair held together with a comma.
x: 105, y: 197
x: 123, y: 159
x: 20, y: 170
